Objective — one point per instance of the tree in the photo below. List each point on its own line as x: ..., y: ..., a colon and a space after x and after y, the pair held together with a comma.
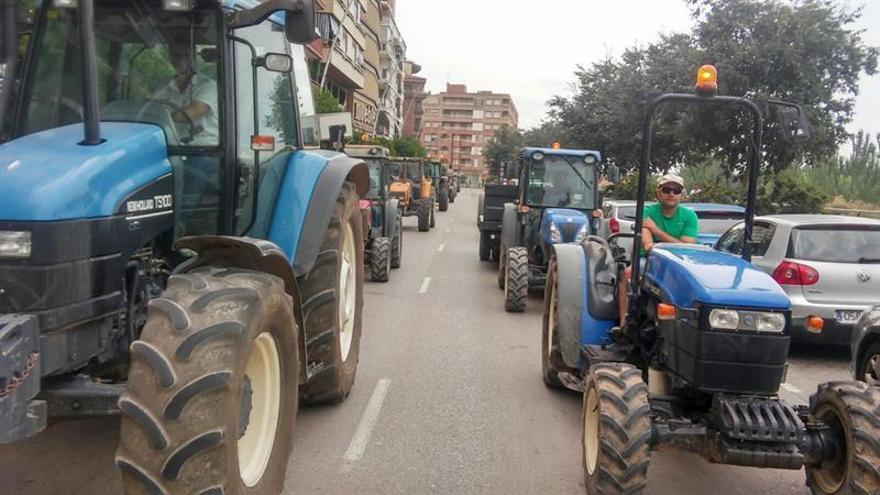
x: 325, y: 102
x: 804, y: 52
x: 503, y: 147
x: 408, y: 146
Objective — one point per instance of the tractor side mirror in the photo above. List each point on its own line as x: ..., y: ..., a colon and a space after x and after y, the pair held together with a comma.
x: 277, y: 62
x: 512, y: 170
x: 299, y: 18
x: 612, y: 173
x: 793, y: 124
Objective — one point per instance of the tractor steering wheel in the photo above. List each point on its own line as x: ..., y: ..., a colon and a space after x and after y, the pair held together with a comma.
x: 193, y: 128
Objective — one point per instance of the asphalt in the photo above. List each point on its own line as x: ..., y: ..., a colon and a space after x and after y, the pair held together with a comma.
x: 448, y: 399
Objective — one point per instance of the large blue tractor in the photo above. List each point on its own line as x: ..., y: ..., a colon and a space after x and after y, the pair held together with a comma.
x: 168, y: 249
x: 558, y: 193
x: 699, y: 361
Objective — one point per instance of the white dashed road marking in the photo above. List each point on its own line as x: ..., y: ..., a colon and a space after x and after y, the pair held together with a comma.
x: 441, y: 247
x: 425, y: 284
x: 368, y: 422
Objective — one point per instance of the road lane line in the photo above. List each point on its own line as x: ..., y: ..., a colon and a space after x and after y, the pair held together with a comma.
x: 368, y: 422
x: 448, y: 229
x: 791, y: 388
x: 441, y: 247
x: 425, y: 284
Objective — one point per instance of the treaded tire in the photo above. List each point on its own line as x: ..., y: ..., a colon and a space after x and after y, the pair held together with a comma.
x: 443, y: 198
x: 425, y: 213
x: 452, y: 194
x: 397, y: 244
x: 516, y: 280
x: 433, y: 218
x: 333, y: 376
x: 485, y: 252
x: 866, y: 369
x: 617, y: 429
x: 187, y: 389
x: 852, y: 411
x: 502, y: 266
x: 380, y: 259
x: 551, y: 359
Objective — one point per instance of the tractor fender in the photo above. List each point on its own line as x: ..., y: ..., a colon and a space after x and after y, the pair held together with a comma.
x: 391, y: 212
x: 510, y: 227
x: 249, y: 254
x: 576, y: 327
x: 304, y: 203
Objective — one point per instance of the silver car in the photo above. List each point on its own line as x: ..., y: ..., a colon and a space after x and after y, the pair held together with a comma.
x: 829, y: 265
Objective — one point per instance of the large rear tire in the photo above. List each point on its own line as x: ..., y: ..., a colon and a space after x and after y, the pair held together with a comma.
x: 516, y: 280
x: 212, y: 390
x: 617, y: 430
x: 852, y: 411
x: 333, y: 299
x: 397, y: 244
x: 551, y: 359
x: 425, y: 213
x: 380, y: 259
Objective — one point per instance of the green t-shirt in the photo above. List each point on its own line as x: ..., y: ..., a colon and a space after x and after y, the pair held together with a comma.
x: 682, y: 223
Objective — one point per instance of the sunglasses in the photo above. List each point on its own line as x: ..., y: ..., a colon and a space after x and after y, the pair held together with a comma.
x: 671, y: 190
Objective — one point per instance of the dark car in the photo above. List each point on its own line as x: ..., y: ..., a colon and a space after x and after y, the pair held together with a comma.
x: 866, y: 347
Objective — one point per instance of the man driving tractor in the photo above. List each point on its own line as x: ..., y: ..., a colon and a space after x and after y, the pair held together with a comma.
x: 665, y: 221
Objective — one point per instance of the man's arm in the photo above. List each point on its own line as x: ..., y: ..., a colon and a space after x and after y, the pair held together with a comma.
x: 664, y: 237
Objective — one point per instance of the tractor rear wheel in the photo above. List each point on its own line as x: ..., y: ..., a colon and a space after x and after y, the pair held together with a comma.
x: 333, y: 299
x: 212, y: 389
x: 516, y: 280
x: 443, y: 198
x: 397, y: 243
x: 425, y: 213
x: 485, y: 252
x: 433, y: 219
x: 551, y: 359
x: 380, y: 259
x: 852, y: 411
x: 617, y: 429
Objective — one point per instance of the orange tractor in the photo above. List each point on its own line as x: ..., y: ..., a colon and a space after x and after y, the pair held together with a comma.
x: 413, y: 190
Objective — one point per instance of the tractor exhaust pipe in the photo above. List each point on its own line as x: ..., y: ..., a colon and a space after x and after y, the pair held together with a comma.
x: 85, y: 12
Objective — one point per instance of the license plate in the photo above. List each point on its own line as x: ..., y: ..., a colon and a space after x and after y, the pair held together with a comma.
x: 847, y: 316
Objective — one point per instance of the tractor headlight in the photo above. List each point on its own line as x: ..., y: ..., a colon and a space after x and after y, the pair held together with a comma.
x: 15, y: 244
x: 724, y: 319
x: 770, y: 322
x: 555, y: 234
x: 582, y: 234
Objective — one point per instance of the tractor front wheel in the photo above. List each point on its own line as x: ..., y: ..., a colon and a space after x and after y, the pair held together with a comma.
x: 433, y: 220
x: 443, y: 198
x: 851, y: 410
x: 516, y: 280
x: 212, y: 390
x: 380, y: 259
x: 551, y: 359
x: 426, y: 214
x: 485, y: 252
x: 868, y: 367
x: 397, y: 244
x: 617, y: 430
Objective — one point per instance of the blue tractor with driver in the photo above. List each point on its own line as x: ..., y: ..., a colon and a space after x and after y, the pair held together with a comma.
x: 557, y: 197
x: 698, y: 362
x: 168, y: 247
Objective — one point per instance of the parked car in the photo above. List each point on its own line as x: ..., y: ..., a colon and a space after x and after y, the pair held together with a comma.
x: 866, y: 347
x: 829, y: 265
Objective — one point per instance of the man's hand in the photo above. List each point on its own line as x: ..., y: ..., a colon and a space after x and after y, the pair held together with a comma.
x: 651, y: 226
x: 647, y: 240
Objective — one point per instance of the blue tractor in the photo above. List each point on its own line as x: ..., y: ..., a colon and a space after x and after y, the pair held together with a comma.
x: 557, y: 198
x: 699, y: 361
x: 168, y: 248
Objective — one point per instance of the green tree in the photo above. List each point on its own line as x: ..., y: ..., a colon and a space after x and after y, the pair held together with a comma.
x: 325, y: 102
x: 856, y: 177
x: 503, y: 147
x: 408, y: 146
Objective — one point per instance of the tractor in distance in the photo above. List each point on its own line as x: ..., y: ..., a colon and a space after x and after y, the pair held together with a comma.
x: 382, y: 221
x: 168, y: 248
x: 443, y: 190
x: 557, y: 202
x: 698, y: 363
x: 412, y: 188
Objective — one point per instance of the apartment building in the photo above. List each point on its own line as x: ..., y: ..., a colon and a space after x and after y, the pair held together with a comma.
x: 413, y: 97
x: 456, y: 125
x: 392, y: 57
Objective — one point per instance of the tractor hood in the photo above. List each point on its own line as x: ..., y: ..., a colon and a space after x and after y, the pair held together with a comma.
x: 567, y: 222
x: 686, y: 274
x: 48, y: 176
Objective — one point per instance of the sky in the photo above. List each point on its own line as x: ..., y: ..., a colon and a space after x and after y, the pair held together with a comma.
x: 531, y: 49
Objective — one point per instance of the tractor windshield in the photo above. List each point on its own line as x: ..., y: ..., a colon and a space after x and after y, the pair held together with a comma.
x: 155, y: 66
x: 375, y: 167
x: 555, y: 182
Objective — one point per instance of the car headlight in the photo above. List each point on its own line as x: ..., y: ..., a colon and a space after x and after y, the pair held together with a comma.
x: 729, y: 319
x: 724, y: 319
x: 582, y: 234
x: 15, y: 244
x: 555, y: 234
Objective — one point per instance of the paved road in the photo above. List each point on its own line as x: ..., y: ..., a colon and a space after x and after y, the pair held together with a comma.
x: 448, y: 400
